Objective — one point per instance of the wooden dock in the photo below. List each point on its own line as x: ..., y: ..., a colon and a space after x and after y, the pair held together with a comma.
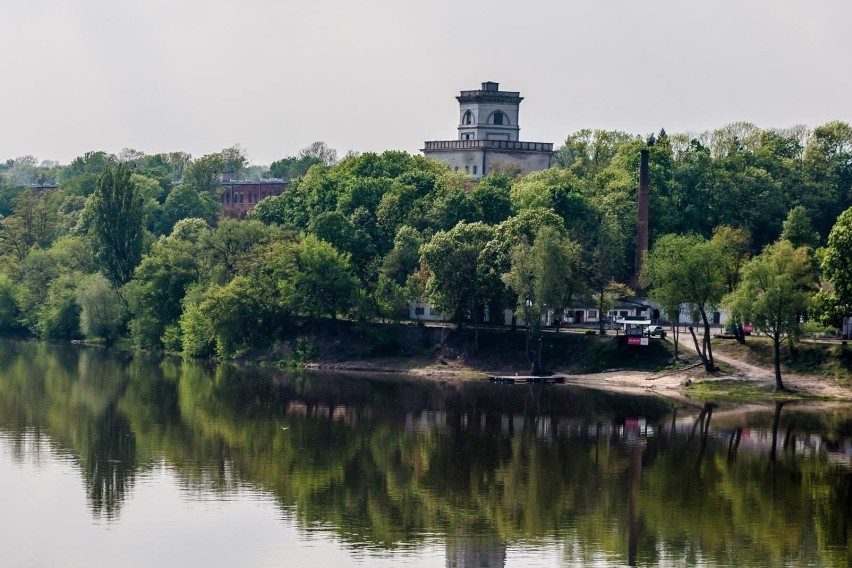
x: 525, y: 379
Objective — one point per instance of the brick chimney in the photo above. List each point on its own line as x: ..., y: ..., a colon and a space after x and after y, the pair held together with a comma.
x: 642, y: 217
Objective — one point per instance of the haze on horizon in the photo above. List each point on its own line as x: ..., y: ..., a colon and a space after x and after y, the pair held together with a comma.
x: 373, y: 75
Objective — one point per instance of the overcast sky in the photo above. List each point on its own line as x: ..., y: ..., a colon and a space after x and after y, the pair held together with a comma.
x: 371, y: 75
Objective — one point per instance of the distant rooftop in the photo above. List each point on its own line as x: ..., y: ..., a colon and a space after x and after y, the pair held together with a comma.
x: 489, y: 144
x: 490, y: 91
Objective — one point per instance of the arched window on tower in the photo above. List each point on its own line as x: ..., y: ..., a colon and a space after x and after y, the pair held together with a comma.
x: 500, y: 118
x: 467, y: 118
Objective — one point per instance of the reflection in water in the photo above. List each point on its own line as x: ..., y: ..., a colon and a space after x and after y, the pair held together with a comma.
x: 488, y: 470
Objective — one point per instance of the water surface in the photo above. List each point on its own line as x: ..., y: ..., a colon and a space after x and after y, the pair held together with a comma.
x: 111, y: 459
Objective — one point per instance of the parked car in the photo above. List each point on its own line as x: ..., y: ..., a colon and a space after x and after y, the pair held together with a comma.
x: 655, y: 330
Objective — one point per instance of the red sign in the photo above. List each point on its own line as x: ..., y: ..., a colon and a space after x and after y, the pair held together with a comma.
x: 634, y: 341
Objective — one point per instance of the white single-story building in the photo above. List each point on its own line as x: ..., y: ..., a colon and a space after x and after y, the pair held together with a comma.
x: 423, y: 311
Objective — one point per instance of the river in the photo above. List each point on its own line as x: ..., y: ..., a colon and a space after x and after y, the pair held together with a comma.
x: 118, y: 459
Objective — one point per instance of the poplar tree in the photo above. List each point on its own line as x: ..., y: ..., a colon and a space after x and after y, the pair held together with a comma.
x: 117, y: 219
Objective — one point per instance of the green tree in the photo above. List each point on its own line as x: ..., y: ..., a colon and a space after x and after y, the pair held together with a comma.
x: 798, y: 230
x: 687, y: 269
x: 317, y: 279
x: 605, y: 256
x: 9, y: 312
x: 774, y: 294
x: 41, y: 267
x: 827, y: 190
x: 59, y: 315
x: 242, y: 315
x: 160, y: 282
x: 588, y: 152
x: 837, y: 260
x: 335, y: 228
x: 404, y: 257
x: 453, y: 259
x: 185, y: 202
x: 204, y: 174
x: 541, y: 276
x: 116, y: 216
x: 34, y: 222
x: 491, y: 196
x: 232, y: 242
x: 102, y: 309
x: 292, y: 167
x: 734, y: 245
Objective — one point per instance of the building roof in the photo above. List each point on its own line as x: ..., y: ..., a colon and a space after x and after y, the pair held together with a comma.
x: 500, y: 145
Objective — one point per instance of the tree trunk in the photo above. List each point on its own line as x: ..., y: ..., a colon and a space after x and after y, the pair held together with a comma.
x: 698, y: 350
x: 534, y: 358
x: 776, y: 340
x: 710, y: 365
x: 676, y: 336
x: 600, y: 311
x: 739, y: 331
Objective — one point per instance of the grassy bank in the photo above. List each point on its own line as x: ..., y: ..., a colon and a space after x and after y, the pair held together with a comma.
x: 737, y: 390
x: 828, y: 360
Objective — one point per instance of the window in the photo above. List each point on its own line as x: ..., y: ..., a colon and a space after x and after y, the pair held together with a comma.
x: 241, y: 197
x: 593, y: 314
x: 467, y: 136
x: 467, y: 169
x: 474, y: 170
x: 418, y: 311
x: 467, y: 118
x: 498, y: 117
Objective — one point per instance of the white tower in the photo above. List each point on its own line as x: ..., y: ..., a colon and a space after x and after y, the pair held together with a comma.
x: 489, y: 136
x: 489, y: 113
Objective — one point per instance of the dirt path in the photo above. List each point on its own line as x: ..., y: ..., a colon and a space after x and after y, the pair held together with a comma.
x: 815, y: 386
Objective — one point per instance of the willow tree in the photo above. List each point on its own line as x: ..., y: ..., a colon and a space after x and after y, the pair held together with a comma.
x: 543, y: 276
x: 116, y: 217
x: 775, y: 291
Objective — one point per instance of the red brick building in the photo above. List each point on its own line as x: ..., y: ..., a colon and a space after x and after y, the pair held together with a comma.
x: 240, y: 197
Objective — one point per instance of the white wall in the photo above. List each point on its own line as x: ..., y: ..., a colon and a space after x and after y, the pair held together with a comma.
x: 428, y: 313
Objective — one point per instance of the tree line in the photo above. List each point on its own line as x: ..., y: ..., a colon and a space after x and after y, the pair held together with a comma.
x: 137, y: 243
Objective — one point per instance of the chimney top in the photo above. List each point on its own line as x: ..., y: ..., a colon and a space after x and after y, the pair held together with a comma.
x: 490, y: 86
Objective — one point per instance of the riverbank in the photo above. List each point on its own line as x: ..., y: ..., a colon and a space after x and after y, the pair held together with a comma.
x: 440, y: 350
x: 585, y: 359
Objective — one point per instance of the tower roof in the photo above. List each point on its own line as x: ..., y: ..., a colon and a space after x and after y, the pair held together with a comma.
x: 490, y: 93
